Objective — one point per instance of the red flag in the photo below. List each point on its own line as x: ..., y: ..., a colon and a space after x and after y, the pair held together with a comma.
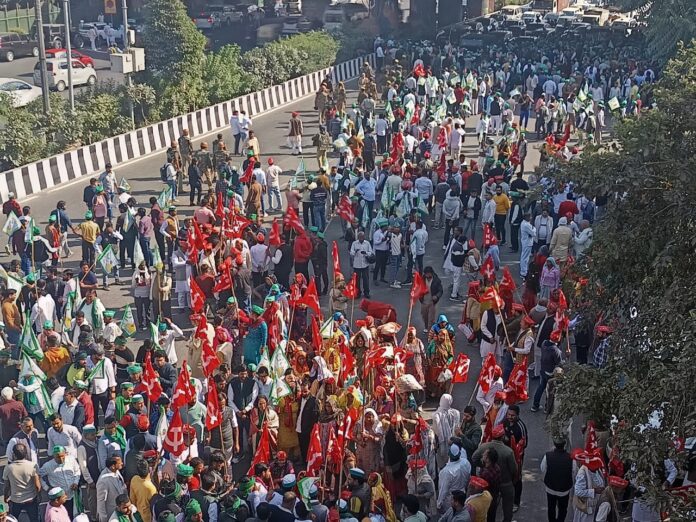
x: 235, y: 226
x: 220, y: 207
x: 347, y: 357
x: 263, y: 451
x: 315, y: 455
x: 460, y: 368
x: 419, y: 288
x: 488, y: 269
x: 274, y: 237
x: 292, y: 220
x: 183, y: 390
x: 345, y: 209
x: 334, y: 449
x: 213, y: 416
x: 248, y: 172
x: 442, y: 138
x: 416, y: 441
x: 174, y: 440
x: 487, y: 375
x: 345, y: 430
x: 491, y: 295
x: 442, y: 165
x: 508, y: 282
x: 197, y: 296
x: 311, y: 298
x: 198, y: 238
x: 201, y: 329
x: 591, y: 437
x: 516, y: 387
x: 351, y: 290
x: 316, y: 334
x: 209, y: 360
x: 562, y: 302
x: 151, y: 381
x: 336, y: 260
x: 224, y: 282
x: 488, y: 235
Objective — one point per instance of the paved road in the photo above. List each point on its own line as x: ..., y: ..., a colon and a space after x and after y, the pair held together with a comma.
x: 144, y: 177
x: 23, y: 69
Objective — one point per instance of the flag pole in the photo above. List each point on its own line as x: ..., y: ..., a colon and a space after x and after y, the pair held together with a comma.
x: 222, y: 445
x: 472, y: 394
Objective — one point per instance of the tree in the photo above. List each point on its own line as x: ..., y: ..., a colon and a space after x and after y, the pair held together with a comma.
x: 669, y: 22
x: 640, y: 279
x: 223, y: 75
x: 174, y: 53
x: 272, y: 64
x: 319, y: 47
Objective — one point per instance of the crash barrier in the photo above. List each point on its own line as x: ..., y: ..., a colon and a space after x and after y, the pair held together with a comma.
x: 90, y: 159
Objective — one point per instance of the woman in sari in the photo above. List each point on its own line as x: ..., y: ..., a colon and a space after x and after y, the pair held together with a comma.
x: 381, y: 500
x: 415, y: 355
x: 263, y: 416
x: 439, y: 356
x: 298, y: 360
x: 288, y: 408
x: 359, y: 346
x: 382, y: 404
x: 369, y: 436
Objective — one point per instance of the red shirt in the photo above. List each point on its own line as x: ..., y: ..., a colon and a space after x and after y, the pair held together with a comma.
x: 11, y: 413
x: 302, y: 249
x: 86, y: 401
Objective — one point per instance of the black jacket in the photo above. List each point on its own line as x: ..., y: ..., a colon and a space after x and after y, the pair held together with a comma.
x: 168, y: 377
x: 310, y: 414
x: 435, y: 288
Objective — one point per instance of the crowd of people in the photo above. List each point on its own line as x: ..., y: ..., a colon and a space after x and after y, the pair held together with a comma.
x: 327, y: 409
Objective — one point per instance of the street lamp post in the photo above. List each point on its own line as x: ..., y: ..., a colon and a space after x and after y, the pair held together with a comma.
x: 126, y: 43
x: 42, y: 56
x: 68, y: 48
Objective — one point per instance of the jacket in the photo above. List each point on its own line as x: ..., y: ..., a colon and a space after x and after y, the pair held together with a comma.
x: 452, y: 207
x: 435, y: 288
x: 470, y: 437
x: 310, y: 414
x: 109, y: 486
x: 506, y: 460
x: 583, y: 241
x: 561, y: 241
x: 302, y: 249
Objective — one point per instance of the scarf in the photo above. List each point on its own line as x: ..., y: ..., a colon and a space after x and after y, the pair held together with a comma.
x: 132, y: 517
x: 119, y: 437
x: 121, y: 405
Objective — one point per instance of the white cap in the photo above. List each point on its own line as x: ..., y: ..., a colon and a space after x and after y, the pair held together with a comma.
x: 7, y: 393
x: 455, y: 451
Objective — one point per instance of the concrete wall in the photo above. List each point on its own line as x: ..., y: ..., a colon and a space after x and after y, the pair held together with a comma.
x: 86, y: 161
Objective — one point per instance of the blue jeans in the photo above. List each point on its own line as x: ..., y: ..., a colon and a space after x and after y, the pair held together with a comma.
x: 25, y: 263
x: 319, y: 212
x: 469, y: 228
x: 114, y: 272
x: 540, y: 389
x: 147, y: 253
x: 175, y: 190
x: 394, y: 265
x: 274, y: 191
x: 524, y: 119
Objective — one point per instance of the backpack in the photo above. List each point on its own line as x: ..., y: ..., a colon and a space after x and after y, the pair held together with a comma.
x: 163, y: 171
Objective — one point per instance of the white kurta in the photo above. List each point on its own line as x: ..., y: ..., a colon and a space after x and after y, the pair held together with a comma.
x: 585, y: 482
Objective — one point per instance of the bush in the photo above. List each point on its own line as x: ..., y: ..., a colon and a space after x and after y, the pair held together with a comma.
x: 223, y: 75
x: 320, y: 48
x: 272, y: 64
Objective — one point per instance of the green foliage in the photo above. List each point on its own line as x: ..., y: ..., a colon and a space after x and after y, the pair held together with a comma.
x: 174, y: 53
x: 223, y: 75
x: 101, y: 116
x: 19, y: 141
x: 669, y: 22
x: 271, y: 64
x: 143, y: 98
x: 353, y: 43
x: 640, y: 272
x: 320, y: 48
x: 174, y: 48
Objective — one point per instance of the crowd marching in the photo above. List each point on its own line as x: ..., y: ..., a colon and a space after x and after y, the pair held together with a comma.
x: 328, y: 410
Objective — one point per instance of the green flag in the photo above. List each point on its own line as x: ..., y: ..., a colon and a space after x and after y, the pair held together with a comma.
x: 300, y: 175
x: 165, y: 197
x: 124, y: 185
x: 279, y: 363
x: 613, y: 103
x: 29, y: 234
x: 154, y: 337
x: 29, y: 368
x: 68, y: 312
x: 127, y: 324
x: 138, y: 256
x: 265, y: 360
x: 97, y: 372
x: 304, y: 485
x: 107, y: 259
x: 156, y: 257
x: 12, y: 224
x: 279, y: 390
x: 28, y: 342
x: 389, y: 114
x: 128, y: 221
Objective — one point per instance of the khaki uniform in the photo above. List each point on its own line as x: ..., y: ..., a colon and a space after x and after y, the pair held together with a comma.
x: 205, y: 164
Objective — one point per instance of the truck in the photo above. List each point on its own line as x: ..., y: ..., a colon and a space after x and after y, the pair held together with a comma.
x: 596, y: 16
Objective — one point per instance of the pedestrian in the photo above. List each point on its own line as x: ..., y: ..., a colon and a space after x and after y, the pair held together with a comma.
x: 22, y: 483
x: 550, y: 358
x: 295, y: 131
x: 361, y: 254
x: 56, y: 510
x: 88, y: 230
x: 431, y: 298
x: 508, y: 471
x: 557, y: 467
x: 381, y: 245
x: 110, y: 486
x: 528, y: 237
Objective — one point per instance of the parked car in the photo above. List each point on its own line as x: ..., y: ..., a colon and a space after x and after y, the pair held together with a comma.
x: 20, y: 92
x: 229, y: 14
x: 296, y: 25
x: 57, y: 71
x: 205, y: 21
x: 77, y: 55
x: 15, y: 45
